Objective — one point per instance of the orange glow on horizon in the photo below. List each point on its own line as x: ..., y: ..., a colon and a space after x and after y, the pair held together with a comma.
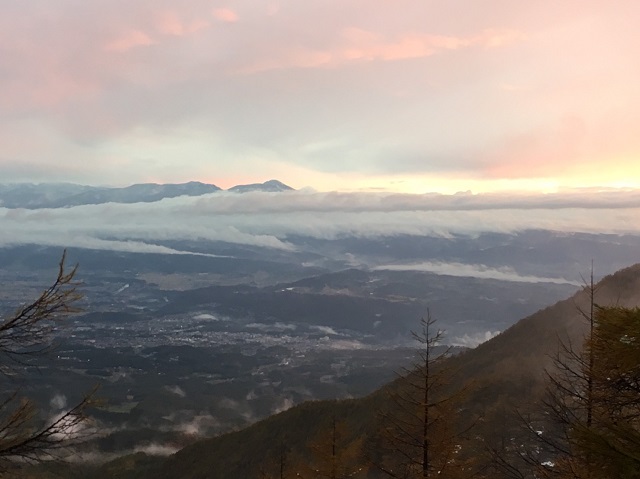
x: 422, y: 184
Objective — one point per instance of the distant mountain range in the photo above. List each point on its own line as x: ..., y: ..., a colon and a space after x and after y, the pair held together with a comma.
x: 270, y: 186
x: 62, y: 195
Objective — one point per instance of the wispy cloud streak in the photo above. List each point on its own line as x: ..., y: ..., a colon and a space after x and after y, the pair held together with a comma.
x: 474, y: 271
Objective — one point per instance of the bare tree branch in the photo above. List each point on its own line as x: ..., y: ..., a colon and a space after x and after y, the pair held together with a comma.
x: 26, y: 335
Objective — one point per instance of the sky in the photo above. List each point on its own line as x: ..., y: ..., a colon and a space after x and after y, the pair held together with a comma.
x: 335, y: 95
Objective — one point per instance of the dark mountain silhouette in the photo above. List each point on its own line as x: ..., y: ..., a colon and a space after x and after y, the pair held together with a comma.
x: 140, y: 193
x: 28, y: 195
x: 61, y: 195
x: 271, y: 186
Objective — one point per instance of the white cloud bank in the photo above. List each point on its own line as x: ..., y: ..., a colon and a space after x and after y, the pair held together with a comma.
x: 269, y: 220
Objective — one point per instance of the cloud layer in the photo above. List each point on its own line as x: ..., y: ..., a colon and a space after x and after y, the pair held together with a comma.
x: 270, y: 220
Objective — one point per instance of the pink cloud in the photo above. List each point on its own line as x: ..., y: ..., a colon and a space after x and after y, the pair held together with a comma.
x: 543, y: 152
x: 131, y: 39
x: 492, y: 38
x: 170, y: 23
x: 359, y: 45
x: 225, y: 15
x: 364, y: 45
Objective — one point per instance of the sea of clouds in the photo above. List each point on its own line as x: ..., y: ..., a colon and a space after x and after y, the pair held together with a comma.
x: 270, y: 220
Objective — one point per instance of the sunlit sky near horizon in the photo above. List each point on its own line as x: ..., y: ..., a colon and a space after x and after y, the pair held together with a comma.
x: 349, y: 95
